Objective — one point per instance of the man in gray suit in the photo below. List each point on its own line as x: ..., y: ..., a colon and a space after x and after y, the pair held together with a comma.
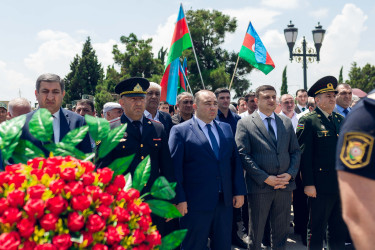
x: 270, y: 155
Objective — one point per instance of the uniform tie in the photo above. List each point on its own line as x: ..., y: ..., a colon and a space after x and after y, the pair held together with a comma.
x: 137, y: 125
x: 271, y: 132
x: 346, y: 111
x: 215, y: 146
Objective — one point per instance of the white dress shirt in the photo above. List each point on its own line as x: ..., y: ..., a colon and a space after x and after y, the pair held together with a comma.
x: 56, y: 126
x: 203, y: 126
x: 300, y: 107
x: 273, y: 121
x: 294, y: 119
x: 149, y: 116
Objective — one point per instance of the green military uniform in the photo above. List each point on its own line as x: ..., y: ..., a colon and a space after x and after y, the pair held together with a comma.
x: 317, y: 134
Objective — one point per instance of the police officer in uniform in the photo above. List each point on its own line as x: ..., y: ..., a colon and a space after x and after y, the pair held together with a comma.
x: 317, y: 134
x: 355, y: 162
x: 142, y: 137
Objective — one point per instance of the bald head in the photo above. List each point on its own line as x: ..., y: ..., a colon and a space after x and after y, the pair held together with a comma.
x: 18, y: 106
x: 287, y: 104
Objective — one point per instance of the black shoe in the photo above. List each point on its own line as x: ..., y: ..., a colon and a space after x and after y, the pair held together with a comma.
x: 238, y: 242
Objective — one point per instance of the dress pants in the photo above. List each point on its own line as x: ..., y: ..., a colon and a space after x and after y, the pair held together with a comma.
x: 325, y: 210
x: 276, y: 204
x: 214, y: 224
x: 300, y: 210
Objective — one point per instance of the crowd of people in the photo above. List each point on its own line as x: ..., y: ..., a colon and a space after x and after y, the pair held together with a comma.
x: 240, y: 167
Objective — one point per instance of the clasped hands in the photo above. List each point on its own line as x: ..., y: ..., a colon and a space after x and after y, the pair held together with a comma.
x: 278, y: 182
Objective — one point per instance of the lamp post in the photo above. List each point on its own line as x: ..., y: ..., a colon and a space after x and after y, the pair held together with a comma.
x: 304, y: 54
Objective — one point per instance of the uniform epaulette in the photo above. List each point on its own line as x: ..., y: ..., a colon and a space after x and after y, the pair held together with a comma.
x: 149, y: 120
x: 97, y: 142
x: 339, y: 115
x: 310, y: 113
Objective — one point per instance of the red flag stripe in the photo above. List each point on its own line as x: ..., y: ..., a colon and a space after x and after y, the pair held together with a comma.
x: 164, y: 84
x: 269, y: 60
x: 249, y: 42
x: 180, y: 30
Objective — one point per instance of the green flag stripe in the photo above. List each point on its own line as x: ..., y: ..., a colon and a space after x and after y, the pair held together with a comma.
x: 176, y: 49
x: 249, y: 56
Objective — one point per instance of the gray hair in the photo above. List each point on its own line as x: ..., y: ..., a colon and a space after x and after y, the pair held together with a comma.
x: 355, y: 98
x: 155, y: 85
x: 179, y: 97
x: 18, y: 102
x: 48, y: 77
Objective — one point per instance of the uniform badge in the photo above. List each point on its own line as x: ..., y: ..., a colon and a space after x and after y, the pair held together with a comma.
x: 300, y: 126
x: 323, y: 127
x: 356, y: 150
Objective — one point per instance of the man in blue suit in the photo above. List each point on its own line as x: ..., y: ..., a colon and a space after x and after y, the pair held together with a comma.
x: 209, y: 175
x: 50, y: 91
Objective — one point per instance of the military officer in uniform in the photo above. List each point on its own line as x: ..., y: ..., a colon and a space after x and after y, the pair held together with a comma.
x: 317, y: 134
x: 355, y: 162
x: 142, y: 137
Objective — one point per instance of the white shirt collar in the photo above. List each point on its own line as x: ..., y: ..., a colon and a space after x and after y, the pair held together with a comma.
x: 149, y: 115
x: 294, y: 114
x: 201, y: 123
x: 300, y: 107
x: 57, y: 114
x: 263, y: 116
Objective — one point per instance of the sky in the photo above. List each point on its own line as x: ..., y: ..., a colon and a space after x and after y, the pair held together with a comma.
x: 38, y: 36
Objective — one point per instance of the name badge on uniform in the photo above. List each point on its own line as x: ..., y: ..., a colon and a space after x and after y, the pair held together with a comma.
x: 156, y: 139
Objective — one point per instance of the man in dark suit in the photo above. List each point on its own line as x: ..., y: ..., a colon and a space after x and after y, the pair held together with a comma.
x: 270, y: 155
x: 50, y: 91
x: 317, y: 134
x: 209, y: 175
x: 152, y: 105
x: 142, y: 137
x: 301, y: 99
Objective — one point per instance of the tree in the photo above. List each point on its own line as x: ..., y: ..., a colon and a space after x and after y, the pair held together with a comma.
x: 208, y: 29
x: 86, y: 72
x: 341, y: 79
x: 284, y: 85
x: 105, y: 91
x: 363, y: 79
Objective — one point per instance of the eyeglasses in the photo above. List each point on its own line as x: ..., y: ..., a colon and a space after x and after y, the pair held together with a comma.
x: 187, y: 102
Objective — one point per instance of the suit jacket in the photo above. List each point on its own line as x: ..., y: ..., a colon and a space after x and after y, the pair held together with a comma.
x: 318, y: 138
x: 68, y: 121
x: 166, y: 120
x: 198, y: 171
x: 297, y: 110
x: 261, y: 158
x: 153, y: 142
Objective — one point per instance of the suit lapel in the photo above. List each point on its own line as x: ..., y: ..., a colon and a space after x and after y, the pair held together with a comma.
x: 262, y: 128
x: 201, y: 136
x: 64, y: 124
x: 146, y: 128
x: 280, y: 131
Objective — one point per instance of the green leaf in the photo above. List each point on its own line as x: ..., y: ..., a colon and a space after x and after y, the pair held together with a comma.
x: 26, y: 150
x: 75, y: 136
x: 161, y: 189
x: 40, y: 125
x: 173, y: 240
x: 142, y: 173
x: 173, y: 185
x: 111, y: 140
x: 98, y: 127
x: 120, y: 165
x: 128, y: 181
x: 163, y: 209
x: 63, y: 149
x: 89, y: 156
x: 10, y: 133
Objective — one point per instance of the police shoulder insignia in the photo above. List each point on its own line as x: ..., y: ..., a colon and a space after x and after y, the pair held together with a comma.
x: 356, y: 150
x: 97, y: 142
x: 300, y: 126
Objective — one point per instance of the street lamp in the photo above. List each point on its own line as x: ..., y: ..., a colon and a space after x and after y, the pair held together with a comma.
x: 304, y: 54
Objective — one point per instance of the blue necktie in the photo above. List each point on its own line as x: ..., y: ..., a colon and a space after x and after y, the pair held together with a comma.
x: 346, y: 111
x: 215, y: 146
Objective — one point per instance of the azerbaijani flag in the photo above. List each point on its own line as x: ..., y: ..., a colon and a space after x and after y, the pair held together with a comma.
x: 170, y: 83
x: 254, y: 52
x: 184, y: 66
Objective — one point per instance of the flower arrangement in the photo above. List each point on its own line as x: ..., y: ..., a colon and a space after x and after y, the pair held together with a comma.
x: 61, y: 202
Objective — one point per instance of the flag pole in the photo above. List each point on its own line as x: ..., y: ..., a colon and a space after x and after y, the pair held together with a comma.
x: 183, y: 73
x: 234, y: 72
x: 192, y: 44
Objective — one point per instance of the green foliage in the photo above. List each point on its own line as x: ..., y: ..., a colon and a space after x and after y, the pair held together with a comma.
x: 98, y: 127
x: 10, y: 133
x: 362, y: 78
x: 85, y: 74
x: 65, y: 149
x: 163, y: 209
x: 25, y: 150
x: 208, y: 30
x: 40, y: 125
x: 75, y: 136
x: 284, y: 85
x: 111, y: 140
x: 120, y: 165
x: 142, y: 173
x: 173, y: 240
x: 162, y: 189
x: 341, y: 79
x: 128, y: 181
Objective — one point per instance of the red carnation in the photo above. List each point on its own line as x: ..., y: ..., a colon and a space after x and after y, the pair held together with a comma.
x: 139, y: 236
x: 87, y: 236
x: 36, y: 191
x: 122, y: 214
x: 11, y: 215
x: 36, y: 162
x: 88, y: 179
x: 122, y: 195
x: 106, y: 199
x: 38, y: 173
x: 75, y: 221
x: 46, y: 246
x: 10, y: 241
x: 117, y: 248
x: 105, y: 175
x: 48, y: 222
x: 104, y: 211
x: 81, y: 202
x: 56, y: 186
x: 89, y: 167
x: 75, y: 187
x: 55, y: 161
x: 52, y: 170
x: 133, y: 193
x: 112, y: 235
x: 119, y: 181
x: 62, y: 241
x: 144, y: 208
x: 154, y: 238
x: 13, y: 169
x: 26, y: 227
x: 95, y: 223
x: 68, y: 174
x: 57, y: 205
x: 16, y: 198
x: 94, y: 191
x: 34, y: 208
x: 16, y: 179
x: 99, y: 247
x: 28, y: 245
x: 144, y: 223
x: 124, y: 228
x: 3, y: 205
x: 112, y: 189
x: 132, y: 207
x: 4, y: 177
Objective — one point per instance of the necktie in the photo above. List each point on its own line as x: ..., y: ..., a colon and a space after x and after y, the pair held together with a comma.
x: 303, y: 109
x: 346, y: 111
x: 215, y: 146
x: 271, y: 131
x: 137, y: 125
x: 330, y: 118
